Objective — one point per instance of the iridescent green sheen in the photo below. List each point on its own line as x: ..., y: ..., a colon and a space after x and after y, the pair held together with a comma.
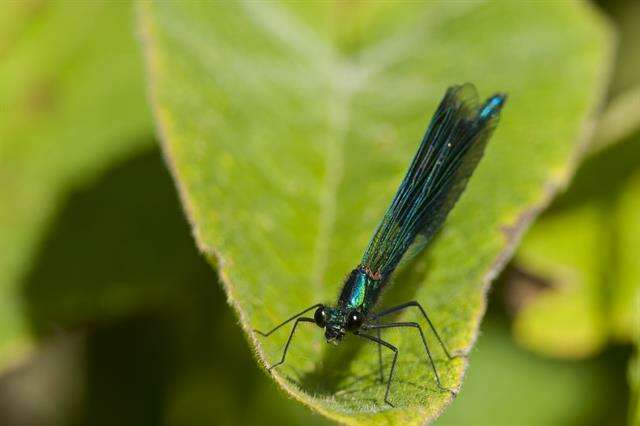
x: 360, y: 291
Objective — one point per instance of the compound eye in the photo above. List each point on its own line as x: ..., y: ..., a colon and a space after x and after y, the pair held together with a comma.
x: 320, y: 317
x: 354, y: 320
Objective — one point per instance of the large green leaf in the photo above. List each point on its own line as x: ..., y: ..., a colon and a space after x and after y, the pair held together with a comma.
x: 289, y: 125
x: 72, y: 101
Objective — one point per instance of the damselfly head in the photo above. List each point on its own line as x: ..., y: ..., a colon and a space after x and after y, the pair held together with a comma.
x: 320, y: 316
x: 332, y: 320
x: 334, y: 334
x: 337, y: 321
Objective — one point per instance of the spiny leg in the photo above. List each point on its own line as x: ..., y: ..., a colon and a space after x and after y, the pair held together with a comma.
x: 286, y: 347
x: 380, y: 358
x: 317, y: 305
x: 414, y: 303
x: 393, y: 363
x: 426, y: 347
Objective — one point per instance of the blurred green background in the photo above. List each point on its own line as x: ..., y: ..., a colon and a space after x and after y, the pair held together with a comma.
x: 126, y: 326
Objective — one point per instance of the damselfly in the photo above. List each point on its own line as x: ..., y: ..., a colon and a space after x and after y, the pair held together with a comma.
x: 447, y: 156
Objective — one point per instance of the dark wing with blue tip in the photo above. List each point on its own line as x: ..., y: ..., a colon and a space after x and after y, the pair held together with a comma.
x: 448, y: 154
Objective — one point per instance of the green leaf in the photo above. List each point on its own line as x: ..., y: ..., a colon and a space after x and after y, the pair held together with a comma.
x: 289, y: 126
x: 73, y: 102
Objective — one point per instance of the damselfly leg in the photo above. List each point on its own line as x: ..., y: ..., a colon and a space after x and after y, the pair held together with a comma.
x: 376, y: 325
x: 411, y: 304
x: 380, y: 358
x: 287, y: 320
x: 388, y: 345
x: 293, y: 330
x: 286, y: 346
x: 424, y: 341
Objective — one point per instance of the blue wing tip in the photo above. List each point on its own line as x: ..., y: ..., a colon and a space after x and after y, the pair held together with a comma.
x: 492, y: 106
